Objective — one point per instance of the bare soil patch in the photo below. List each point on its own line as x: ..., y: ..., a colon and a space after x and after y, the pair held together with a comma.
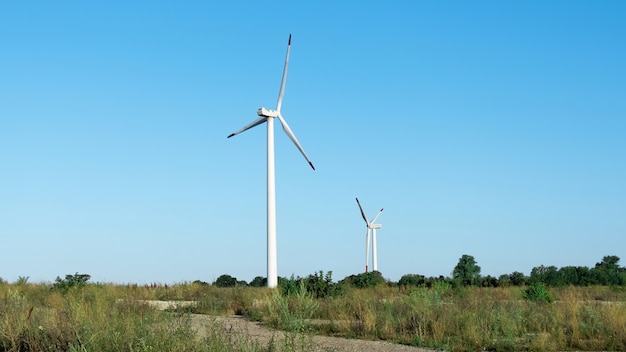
x: 238, y: 324
x: 263, y: 335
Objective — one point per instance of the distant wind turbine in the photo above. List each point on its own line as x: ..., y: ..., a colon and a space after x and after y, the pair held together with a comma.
x: 267, y: 115
x: 371, y: 228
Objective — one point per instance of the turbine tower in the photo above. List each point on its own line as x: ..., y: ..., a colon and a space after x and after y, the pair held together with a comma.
x: 371, y: 228
x: 267, y: 115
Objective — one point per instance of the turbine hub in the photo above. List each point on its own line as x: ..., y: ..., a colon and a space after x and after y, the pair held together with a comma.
x: 267, y: 112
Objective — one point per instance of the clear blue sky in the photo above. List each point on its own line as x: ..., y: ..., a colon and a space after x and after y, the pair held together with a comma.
x: 494, y: 129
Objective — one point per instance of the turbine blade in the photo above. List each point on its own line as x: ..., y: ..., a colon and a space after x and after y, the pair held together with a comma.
x: 362, y: 212
x: 377, y: 215
x: 293, y: 138
x: 254, y: 123
x: 282, y: 83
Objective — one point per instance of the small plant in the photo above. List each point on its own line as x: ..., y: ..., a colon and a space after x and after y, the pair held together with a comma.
x: 21, y: 280
x: 538, y: 292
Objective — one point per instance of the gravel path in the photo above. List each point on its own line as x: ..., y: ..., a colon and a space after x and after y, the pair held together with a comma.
x: 263, y: 335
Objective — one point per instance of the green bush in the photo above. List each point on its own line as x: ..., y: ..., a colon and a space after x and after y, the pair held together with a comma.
x: 412, y: 280
x: 364, y: 280
x: 71, y: 281
x: 538, y: 292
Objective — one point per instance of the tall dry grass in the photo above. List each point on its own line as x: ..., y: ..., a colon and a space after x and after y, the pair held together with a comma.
x: 110, y: 318
x: 472, y: 319
x: 35, y: 317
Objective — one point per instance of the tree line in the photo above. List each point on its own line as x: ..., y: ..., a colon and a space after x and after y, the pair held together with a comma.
x: 466, y: 273
x: 607, y: 272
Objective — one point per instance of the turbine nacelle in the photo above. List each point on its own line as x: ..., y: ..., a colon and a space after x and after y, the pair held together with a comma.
x: 375, y: 226
x: 267, y: 112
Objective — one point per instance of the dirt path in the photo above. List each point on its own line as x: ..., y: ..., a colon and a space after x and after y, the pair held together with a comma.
x: 263, y: 335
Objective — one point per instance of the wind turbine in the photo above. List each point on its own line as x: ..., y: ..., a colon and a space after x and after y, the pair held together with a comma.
x: 267, y: 115
x: 371, y: 228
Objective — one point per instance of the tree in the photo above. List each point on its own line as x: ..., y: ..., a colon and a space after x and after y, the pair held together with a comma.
x: 575, y: 275
x: 548, y: 275
x: 608, y: 272
x: 504, y: 280
x: 259, y: 281
x: 466, y: 272
x: 226, y: 281
x: 412, y: 280
x: 488, y: 281
x: 517, y: 279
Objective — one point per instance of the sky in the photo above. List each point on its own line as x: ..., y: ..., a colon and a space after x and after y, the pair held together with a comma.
x: 488, y: 128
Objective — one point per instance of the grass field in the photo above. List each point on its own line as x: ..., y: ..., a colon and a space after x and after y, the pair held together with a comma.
x: 108, y: 317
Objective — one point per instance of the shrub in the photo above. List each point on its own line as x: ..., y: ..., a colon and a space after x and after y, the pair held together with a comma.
x: 71, y: 281
x: 538, y: 292
x: 321, y: 285
x: 412, y: 280
x: 364, y: 280
x: 290, y: 312
x: 289, y: 286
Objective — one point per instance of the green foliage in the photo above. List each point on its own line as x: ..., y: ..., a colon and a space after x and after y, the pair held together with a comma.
x: 289, y: 286
x: 412, y: 280
x: 321, y: 285
x: 488, y: 281
x: 21, y: 280
x: 75, y: 281
x: 608, y: 272
x: 575, y: 275
x: 517, y: 279
x: 364, y: 280
x: 466, y: 272
x: 259, y: 281
x: 290, y: 312
x: 225, y: 281
x: 547, y: 275
x: 538, y: 292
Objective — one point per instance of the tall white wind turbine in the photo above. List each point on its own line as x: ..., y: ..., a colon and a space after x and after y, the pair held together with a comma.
x: 371, y: 228
x: 267, y: 115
